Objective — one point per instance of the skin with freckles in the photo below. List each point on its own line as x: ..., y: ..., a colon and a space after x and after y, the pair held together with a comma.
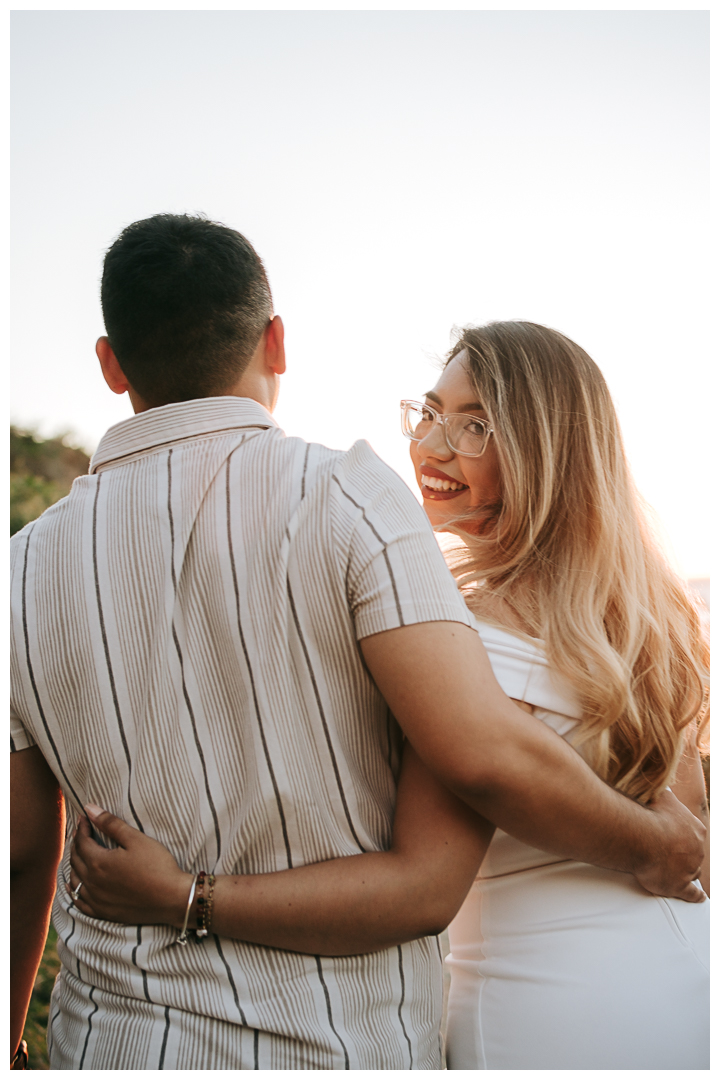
x: 431, y: 456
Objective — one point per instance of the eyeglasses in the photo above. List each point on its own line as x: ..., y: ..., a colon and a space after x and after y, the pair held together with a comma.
x: 464, y: 434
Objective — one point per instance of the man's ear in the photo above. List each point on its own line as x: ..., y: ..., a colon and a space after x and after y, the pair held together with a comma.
x: 275, y: 346
x: 112, y: 372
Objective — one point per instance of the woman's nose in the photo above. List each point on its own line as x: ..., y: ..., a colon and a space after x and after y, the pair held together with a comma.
x: 435, y: 444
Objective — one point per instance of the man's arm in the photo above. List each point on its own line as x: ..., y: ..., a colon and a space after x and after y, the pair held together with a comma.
x: 37, y: 820
x: 516, y: 772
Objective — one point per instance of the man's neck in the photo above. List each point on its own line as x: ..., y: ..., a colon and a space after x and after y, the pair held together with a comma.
x: 258, y: 386
x: 266, y: 400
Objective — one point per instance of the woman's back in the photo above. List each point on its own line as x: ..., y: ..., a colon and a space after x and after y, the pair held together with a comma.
x: 558, y: 964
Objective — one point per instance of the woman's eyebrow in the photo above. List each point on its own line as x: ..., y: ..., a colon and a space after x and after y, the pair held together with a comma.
x: 470, y: 405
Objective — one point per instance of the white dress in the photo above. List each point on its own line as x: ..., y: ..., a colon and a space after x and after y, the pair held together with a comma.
x: 557, y: 964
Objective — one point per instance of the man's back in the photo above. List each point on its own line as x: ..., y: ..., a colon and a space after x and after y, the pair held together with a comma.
x: 185, y: 654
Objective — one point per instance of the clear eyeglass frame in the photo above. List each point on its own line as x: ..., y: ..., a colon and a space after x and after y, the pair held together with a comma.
x: 452, y: 425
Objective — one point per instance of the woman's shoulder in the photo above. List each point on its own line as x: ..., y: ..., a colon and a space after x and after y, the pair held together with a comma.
x: 521, y: 667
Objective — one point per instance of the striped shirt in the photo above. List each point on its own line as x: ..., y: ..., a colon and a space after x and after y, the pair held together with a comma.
x: 184, y: 653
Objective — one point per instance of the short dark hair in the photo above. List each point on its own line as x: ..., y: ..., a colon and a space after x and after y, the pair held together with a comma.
x: 185, y: 303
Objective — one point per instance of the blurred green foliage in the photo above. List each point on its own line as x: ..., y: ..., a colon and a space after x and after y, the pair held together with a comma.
x: 37, y: 1017
x: 41, y: 472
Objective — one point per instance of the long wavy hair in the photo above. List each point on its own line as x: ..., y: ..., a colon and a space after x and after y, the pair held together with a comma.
x: 569, y: 549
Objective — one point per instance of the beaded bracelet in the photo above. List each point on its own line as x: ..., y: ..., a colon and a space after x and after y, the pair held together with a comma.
x: 201, y: 930
x: 209, y: 902
x: 205, y: 906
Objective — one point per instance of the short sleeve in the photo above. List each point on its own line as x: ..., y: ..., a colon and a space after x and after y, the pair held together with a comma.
x: 20, y: 737
x: 395, y: 574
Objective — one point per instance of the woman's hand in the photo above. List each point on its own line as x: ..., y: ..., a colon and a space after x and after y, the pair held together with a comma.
x: 139, y: 882
x: 349, y: 905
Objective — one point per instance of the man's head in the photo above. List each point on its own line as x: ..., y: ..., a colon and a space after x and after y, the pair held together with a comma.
x: 186, y: 302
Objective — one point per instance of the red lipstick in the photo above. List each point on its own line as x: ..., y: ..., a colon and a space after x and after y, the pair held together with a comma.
x: 431, y: 493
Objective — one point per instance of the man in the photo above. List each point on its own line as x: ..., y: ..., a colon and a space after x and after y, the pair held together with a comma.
x: 185, y: 653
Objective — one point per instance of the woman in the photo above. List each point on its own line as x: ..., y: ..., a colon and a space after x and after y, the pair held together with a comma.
x: 555, y: 964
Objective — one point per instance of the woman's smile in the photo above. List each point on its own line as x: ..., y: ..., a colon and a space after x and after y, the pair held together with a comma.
x: 435, y: 484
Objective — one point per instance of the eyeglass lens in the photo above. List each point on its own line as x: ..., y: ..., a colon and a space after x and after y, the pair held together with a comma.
x: 463, y: 434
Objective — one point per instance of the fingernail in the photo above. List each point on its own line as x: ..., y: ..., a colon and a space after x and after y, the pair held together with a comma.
x: 93, y: 810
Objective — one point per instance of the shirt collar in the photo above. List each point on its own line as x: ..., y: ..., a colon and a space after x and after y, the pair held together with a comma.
x: 169, y: 424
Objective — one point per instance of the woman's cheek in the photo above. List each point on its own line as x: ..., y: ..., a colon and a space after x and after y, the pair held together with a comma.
x: 415, y: 458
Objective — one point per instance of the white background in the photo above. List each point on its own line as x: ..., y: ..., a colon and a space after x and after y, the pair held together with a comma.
x: 400, y: 173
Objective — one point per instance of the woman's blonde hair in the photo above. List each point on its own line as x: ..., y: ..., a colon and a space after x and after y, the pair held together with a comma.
x: 570, y: 550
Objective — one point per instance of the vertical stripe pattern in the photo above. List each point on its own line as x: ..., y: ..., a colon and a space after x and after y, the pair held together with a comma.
x: 111, y: 677
x: 184, y: 653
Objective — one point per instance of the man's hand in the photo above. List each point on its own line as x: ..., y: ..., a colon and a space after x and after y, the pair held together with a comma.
x: 515, y: 771
x: 674, y: 865
x: 139, y: 882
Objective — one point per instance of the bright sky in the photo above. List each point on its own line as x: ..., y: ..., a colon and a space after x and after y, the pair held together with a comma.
x: 400, y: 173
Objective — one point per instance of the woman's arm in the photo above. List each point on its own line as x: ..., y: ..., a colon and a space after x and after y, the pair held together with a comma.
x: 351, y: 905
x: 689, y: 788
